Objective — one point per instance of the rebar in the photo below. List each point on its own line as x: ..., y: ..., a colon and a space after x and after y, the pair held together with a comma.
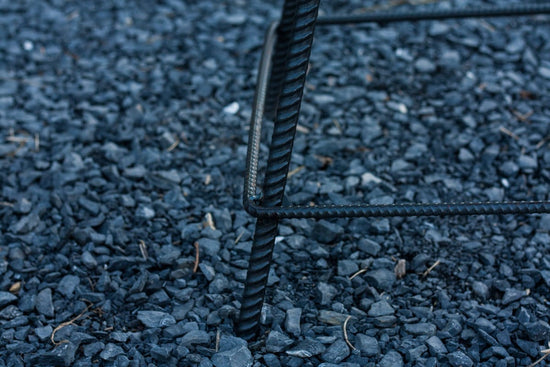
x: 279, y: 88
x: 295, y: 35
x: 437, y: 14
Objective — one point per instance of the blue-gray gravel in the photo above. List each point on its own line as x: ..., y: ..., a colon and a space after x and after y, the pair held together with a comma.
x: 124, y: 123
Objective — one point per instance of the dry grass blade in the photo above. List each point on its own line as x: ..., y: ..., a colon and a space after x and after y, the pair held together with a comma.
x: 36, y: 142
x: 523, y: 117
x: 295, y: 171
x: 196, y: 266
x: 66, y: 323
x: 217, y: 340
x: 545, y: 352
x: 542, y: 142
x: 17, y: 139
x: 239, y: 237
x: 429, y: 270
x: 173, y: 145
x: 5, y: 203
x: 345, y: 327
x: 143, y: 249
x: 207, y: 179
x: 209, y: 221
x: 505, y: 131
x: 361, y: 271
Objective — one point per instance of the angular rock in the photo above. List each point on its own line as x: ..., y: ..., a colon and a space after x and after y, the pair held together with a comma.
x: 195, y: 337
x: 6, y: 298
x: 239, y: 356
x: 44, y: 303
x: 381, y: 308
x: 68, y: 284
x: 110, y: 352
x: 292, y: 321
x: 277, y: 342
x: 326, y: 232
x: 381, y: 279
x: 347, y: 267
x: 155, y: 318
x: 391, y: 359
x: 367, y: 345
x: 421, y: 328
x: 337, y: 352
x: 306, y: 348
x: 436, y: 346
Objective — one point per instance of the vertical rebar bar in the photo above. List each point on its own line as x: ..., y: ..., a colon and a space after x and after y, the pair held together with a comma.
x: 294, y: 40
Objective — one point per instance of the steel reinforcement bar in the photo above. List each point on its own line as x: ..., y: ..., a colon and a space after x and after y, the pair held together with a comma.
x: 279, y: 88
x: 437, y: 14
x: 294, y: 39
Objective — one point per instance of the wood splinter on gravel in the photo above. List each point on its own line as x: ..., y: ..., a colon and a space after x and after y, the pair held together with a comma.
x: 196, y: 266
x: 143, y: 249
x: 209, y: 221
x: 400, y: 268
x: 344, y: 327
x: 360, y: 271
x: 429, y: 270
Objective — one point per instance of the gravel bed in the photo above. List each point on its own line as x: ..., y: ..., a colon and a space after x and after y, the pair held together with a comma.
x: 123, y: 128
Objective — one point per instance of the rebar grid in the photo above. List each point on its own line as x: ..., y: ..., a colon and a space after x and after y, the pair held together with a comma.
x: 279, y: 88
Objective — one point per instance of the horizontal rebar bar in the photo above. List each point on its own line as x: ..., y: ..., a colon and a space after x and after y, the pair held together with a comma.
x: 416, y: 209
x: 436, y: 14
x: 400, y: 210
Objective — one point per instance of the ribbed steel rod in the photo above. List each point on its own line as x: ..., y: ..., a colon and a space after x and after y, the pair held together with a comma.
x: 328, y: 211
x: 295, y: 35
x: 400, y: 210
x: 436, y: 14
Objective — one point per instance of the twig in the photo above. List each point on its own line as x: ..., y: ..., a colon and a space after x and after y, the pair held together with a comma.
x: 429, y: 270
x: 239, y: 237
x: 505, y: 131
x: 546, y: 353
x: 209, y: 221
x: 143, y: 249
x: 487, y: 25
x: 357, y: 273
x: 6, y: 203
x: 295, y: 171
x: 17, y: 139
x: 337, y: 124
x: 66, y: 323
x: 542, y: 142
x: 523, y: 117
x: 196, y: 244
x: 217, y: 340
x: 346, y: 333
x: 302, y: 129
x: 173, y: 145
x: 36, y: 142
